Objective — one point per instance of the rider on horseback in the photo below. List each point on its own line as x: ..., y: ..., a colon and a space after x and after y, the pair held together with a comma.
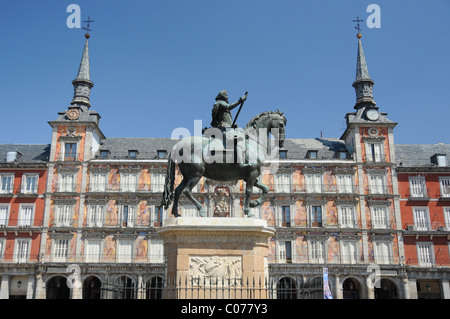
x: 223, y: 120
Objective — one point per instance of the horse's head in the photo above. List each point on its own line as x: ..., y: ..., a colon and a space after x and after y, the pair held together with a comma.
x: 279, y: 121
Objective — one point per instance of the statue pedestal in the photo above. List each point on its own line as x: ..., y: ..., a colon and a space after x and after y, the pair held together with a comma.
x: 216, y: 257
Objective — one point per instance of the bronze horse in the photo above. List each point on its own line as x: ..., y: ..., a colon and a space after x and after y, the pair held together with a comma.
x: 195, y: 167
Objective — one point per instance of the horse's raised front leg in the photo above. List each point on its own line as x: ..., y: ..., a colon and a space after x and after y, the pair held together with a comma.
x: 260, y: 200
x: 188, y: 193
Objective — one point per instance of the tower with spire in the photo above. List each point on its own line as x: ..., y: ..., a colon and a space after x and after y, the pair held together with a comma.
x: 369, y: 137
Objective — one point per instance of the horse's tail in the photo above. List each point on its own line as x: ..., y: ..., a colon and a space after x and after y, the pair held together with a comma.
x: 167, y: 197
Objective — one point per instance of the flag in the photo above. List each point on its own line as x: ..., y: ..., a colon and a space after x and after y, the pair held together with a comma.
x: 326, y: 286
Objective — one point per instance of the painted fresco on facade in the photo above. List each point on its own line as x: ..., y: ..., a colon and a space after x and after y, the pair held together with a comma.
x: 141, y: 248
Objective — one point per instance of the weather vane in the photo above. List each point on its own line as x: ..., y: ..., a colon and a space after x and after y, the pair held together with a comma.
x: 88, y: 21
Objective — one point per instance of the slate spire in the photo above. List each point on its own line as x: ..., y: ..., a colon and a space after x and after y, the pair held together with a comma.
x: 363, y: 83
x: 82, y: 84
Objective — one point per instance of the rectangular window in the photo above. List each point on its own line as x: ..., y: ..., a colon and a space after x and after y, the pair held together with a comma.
x: 189, y: 211
x: 283, y: 183
x: 445, y: 186
x: 60, y: 250
x: 379, y: 217
x: 6, y: 183
x: 93, y: 250
x: 286, y: 216
x: 22, y: 250
x: 158, y: 216
x: 317, y: 251
x: 283, y: 154
x: 441, y: 160
x: 128, y: 215
x: 417, y: 186
x: 313, y: 183
x: 345, y: 183
x: 316, y: 216
x: 382, y: 251
x: 125, y: 251
x: 30, y: 183
x: 2, y: 248
x: 161, y: 154
x: 421, y: 218
x: 348, y: 252
x: 346, y: 215
x: 158, y: 182
x: 64, y: 213
x: 25, y: 215
x: 70, y: 151
x: 156, y: 254
x: 447, y: 217
x: 374, y: 152
x: 425, y: 254
x: 98, y: 182
x: 312, y: 154
x: 4, y: 214
x: 66, y: 182
x: 132, y: 154
x: 95, y: 215
x: 104, y: 154
x: 128, y: 182
x: 377, y: 184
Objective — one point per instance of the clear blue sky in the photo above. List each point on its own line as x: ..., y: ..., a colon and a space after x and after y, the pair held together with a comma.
x: 157, y: 65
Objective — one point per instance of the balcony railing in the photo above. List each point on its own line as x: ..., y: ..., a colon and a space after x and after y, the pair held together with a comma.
x: 418, y: 193
x: 312, y: 188
x: 20, y: 223
x: 427, y: 226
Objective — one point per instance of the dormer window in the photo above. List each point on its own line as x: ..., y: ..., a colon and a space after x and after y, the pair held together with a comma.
x: 439, y: 160
x: 312, y: 154
x: 104, y: 154
x: 342, y: 155
x: 283, y: 154
x: 162, y: 154
x: 132, y: 154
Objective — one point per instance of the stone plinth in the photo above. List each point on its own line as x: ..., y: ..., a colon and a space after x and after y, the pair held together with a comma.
x: 222, y: 256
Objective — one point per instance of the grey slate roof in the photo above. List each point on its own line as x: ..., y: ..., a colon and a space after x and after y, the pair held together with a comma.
x: 413, y: 155
x: 327, y: 148
x: 29, y: 153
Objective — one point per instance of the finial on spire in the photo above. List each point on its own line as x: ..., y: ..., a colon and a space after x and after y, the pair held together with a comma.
x: 87, y: 28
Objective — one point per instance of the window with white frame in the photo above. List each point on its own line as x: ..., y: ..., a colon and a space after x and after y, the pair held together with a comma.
x: 425, y: 254
x: 349, y: 251
x: 22, y: 250
x: 98, y: 182
x: 66, y: 182
x: 60, y: 249
x: 30, y: 183
x: 282, y: 183
x: 64, y: 215
x: 26, y: 215
x: 421, y: 218
x: 346, y: 216
x: 285, y: 216
x: 317, y: 251
x: 156, y: 251
x: 93, y: 250
x: 379, y: 217
x: 382, y: 251
x: 95, y: 215
x: 2, y: 248
x: 4, y: 214
x: 374, y: 152
x: 158, y: 215
x: 445, y: 186
x: 313, y: 182
x: 344, y: 183
x: 157, y: 181
x: 189, y: 211
x: 315, y: 215
x: 128, y: 182
x: 125, y: 250
x: 377, y: 183
x: 417, y: 186
x: 447, y: 217
x: 285, y: 251
x: 6, y: 183
x: 70, y: 151
x: 128, y: 214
